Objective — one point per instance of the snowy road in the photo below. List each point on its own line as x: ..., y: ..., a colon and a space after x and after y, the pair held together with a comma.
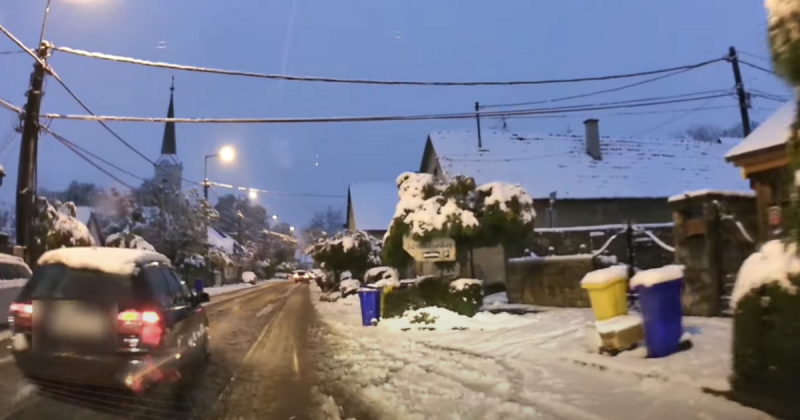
x: 244, y: 328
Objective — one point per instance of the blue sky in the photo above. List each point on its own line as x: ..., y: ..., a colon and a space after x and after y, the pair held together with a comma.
x: 381, y: 39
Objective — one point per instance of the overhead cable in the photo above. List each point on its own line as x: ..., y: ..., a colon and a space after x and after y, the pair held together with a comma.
x: 130, y: 60
x: 72, y: 148
x: 383, y: 118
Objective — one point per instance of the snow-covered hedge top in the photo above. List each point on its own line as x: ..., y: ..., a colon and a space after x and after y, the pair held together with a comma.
x: 461, y: 284
x: 383, y: 277
x: 347, y: 240
x: 774, y: 263
x: 194, y: 260
x: 502, y: 194
x: 606, y: 275
x: 649, y: 278
x: 135, y: 241
x: 108, y: 260
x: 248, y: 276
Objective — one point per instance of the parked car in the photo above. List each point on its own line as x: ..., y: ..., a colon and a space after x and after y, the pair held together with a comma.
x: 249, y: 277
x: 301, y: 276
x: 111, y: 317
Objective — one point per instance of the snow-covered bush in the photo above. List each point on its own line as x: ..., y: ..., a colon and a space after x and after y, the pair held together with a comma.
x: 463, y: 296
x: 766, y: 331
x: 354, y: 251
x: 349, y: 287
x: 129, y: 240
x: 56, y: 226
x: 382, y: 277
x: 474, y: 216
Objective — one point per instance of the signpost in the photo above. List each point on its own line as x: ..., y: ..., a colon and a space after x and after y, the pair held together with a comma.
x: 436, y: 250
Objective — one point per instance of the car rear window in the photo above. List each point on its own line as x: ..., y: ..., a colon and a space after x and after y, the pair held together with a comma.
x: 59, y: 282
x: 11, y: 271
x: 301, y: 273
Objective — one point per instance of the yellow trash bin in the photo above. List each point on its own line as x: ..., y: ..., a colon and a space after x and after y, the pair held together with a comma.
x: 608, y: 291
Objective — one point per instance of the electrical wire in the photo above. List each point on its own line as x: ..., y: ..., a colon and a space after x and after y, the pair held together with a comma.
x: 23, y: 47
x: 88, y: 160
x: 673, y: 120
x: 594, y: 93
x: 11, y: 52
x: 9, y: 106
x: 425, y: 117
x: 102, y: 123
x: 751, y: 55
x: 130, y: 60
x: 662, y: 111
x: 87, y: 152
x: 272, y: 192
x: 757, y: 67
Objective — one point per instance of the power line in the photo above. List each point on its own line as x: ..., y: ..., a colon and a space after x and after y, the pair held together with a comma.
x: 23, y: 47
x: 83, y: 150
x: 9, y: 106
x: 271, y: 192
x: 424, y: 117
x: 757, y: 67
x: 11, y: 52
x: 598, y: 92
x: 672, y: 120
x: 130, y: 60
x: 86, y: 108
x: 751, y: 55
x: 72, y: 148
x: 661, y: 111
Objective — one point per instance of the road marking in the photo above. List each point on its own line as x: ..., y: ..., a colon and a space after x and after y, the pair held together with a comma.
x: 247, y: 355
x: 267, y: 309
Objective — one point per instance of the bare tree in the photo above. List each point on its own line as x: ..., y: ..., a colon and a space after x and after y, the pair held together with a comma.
x: 324, y: 223
x: 710, y: 132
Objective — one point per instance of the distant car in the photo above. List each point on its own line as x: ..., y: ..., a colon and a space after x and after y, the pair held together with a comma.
x: 110, y: 317
x: 301, y: 276
x: 249, y: 277
x: 13, y: 268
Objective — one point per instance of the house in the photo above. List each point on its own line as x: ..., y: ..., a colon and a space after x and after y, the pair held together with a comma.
x: 221, y: 241
x: 91, y: 218
x: 763, y: 161
x: 371, y: 206
x: 596, y: 180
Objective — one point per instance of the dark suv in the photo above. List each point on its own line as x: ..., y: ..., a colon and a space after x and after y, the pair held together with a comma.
x: 110, y: 317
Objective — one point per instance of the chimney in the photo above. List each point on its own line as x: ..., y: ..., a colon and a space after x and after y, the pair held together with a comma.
x: 593, y: 138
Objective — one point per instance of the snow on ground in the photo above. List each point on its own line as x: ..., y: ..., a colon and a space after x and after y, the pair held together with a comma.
x: 218, y: 290
x: 525, y: 366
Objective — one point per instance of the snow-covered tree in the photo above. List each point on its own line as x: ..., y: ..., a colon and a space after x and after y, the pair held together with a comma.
x: 127, y: 239
x: 178, y: 223
x: 492, y: 214
x: 56, y: 226
x: 353, y: 250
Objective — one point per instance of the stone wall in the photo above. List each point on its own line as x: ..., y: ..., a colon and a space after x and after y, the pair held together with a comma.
x: 549, y: 281
x: 647, y: 252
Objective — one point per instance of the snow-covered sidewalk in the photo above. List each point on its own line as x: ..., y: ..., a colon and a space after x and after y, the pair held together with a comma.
x: 517, y: 366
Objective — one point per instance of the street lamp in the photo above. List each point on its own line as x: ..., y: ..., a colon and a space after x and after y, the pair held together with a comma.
x: 252, y: 194
x: 291, y: 228
x: 226, y: 154
x: 274, y: 217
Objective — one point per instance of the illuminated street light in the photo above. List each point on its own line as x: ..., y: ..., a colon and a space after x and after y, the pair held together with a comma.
x: 227, y: 154
x: 291, y: 228
x: 274, y: 217
x: 253, y: 195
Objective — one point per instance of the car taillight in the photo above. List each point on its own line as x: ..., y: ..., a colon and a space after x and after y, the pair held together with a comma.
x: 147, y: 325
x: 21, y: 314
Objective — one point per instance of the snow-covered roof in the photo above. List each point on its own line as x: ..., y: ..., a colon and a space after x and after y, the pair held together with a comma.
x: 373, y: 204
x: 629, y: 168
x: 120, y: 261
x: 773, y: 132
x: 220, y: 240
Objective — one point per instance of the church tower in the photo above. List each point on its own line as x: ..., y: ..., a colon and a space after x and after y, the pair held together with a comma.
x: 169, y: 169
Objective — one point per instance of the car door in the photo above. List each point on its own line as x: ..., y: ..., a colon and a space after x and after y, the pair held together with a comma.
x: 192, y: 324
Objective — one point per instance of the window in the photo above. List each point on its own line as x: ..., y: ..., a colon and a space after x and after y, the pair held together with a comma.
x: 58, y: 281
x: 178, y: 289
x: 159, y: 286
x: 12, y: 271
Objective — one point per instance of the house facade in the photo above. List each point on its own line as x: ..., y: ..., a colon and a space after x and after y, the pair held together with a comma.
x: 596, y: 180
x: 764, y: 162
x: 90, y: 217
x: 371, y: 207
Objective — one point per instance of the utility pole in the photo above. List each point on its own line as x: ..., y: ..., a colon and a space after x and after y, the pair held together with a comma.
x: 478, y: 120
x: 733, y: 57
x: 28, y: 153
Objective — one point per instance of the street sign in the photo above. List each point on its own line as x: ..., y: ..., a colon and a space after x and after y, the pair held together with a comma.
x: 435, y: 250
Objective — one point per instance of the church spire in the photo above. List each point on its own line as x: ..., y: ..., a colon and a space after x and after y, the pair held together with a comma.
x: 169, y: 145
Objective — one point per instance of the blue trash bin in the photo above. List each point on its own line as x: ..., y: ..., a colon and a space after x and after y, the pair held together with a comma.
x: 662, y: 317
x: 198, y: 285
x: 370, y: 305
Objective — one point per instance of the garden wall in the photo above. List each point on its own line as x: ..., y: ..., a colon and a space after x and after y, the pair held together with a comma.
x: 549, y: 281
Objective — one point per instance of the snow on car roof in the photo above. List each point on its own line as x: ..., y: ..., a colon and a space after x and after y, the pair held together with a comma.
x: 108, y: 260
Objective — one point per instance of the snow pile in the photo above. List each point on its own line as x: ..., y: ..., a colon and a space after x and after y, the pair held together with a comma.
x: 502, y: 194
x: 382, y: 277
x: 443, y: 319
x: 649, y: 278
x: 461, y: 284
x: 128, y: 240
x: 249, y: 277
x: 774, y: 263
x: 605, y: 275
x: 108, y: 260
x: 617, y: 324
x: 349, y: 286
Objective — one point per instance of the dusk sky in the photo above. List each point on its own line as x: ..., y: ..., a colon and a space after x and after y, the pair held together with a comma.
x: 430, y: 40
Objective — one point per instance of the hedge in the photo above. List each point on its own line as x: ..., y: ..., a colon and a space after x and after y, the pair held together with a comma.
x: 433, y: 291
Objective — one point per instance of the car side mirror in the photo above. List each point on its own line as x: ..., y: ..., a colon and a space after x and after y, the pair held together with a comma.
x: 203, y: 297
